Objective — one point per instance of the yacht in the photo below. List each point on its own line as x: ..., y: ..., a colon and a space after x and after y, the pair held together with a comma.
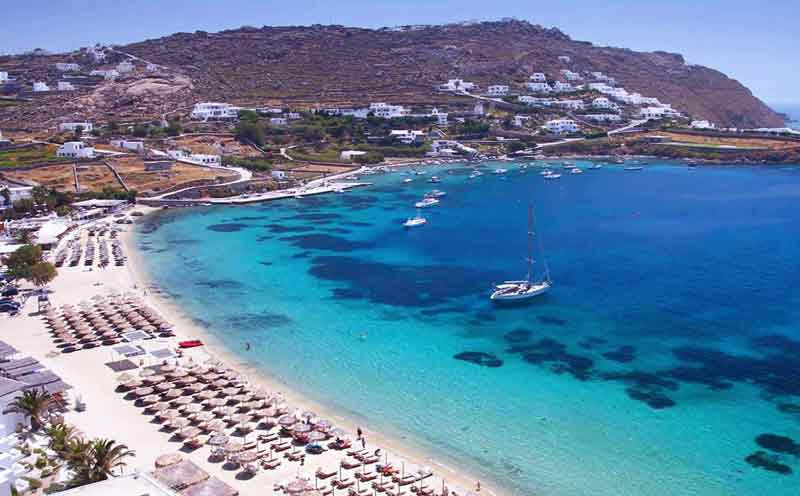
x: 500, y: 171
x: 552, y: 175
x: 596, y: 166
x: 568, y: 165
x: 415, y: 221
x: 576, y: 170
x: 436, y: 193
x: 427, y: 202
x: 407, y: 180
x: 511, y: 291
x: 434, y: 179
x: 633, y: 168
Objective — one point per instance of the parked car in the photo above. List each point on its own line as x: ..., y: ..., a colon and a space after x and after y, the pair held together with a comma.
x: 9, y: 291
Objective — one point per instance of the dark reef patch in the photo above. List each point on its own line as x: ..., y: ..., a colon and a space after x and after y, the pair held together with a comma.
x: 550, y: 352
x: 779, y: 444
x: 762, y: 459
x: 279, y: 229
x: 325, y: 242
x: 400, y: 285
x: 517, y: 336
x: 337, y: 230
x: 479, y: 358
x: 549, y: 320
x: 359, y: 202
x: 623, y: 354
x: 789, y: 408
x: 258, y: 321
x: 265, y: 263
x: 220, y: 284
x: 654, y: 399
x: 250, y: 219
x: 592, y: 342
x: 303, y: 254
x: 641, y: 380
x: 230, y: 227
x: 314, y: 216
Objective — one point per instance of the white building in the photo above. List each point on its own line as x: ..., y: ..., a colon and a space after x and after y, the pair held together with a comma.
x: 387, y: 111
x: 125, y: 66
x: 107, y: 74
x: 497, y: 90
x: 601, y: 87
x: 536, y: 102
x: 65, y: 86
x: 562, y: 126
x: 3, y: 76
x: 195, y: 158
x: 39, y: 86
x: 441, y: 117
x: 407, y: 136
x: 602, y: 102
x: 560, y: 87
x: 457, y: 85
x: 564, y: 58
x: 97, y: 53
x: 16, y: 193
x: 570, y: 104
x: 650, y: 113
x: 135, y: 146
x: 361, y: 113
x: 602, y: 117
x: 538, y: 77
x: 87, y: 127
x: 703, y: 125
x: 214, y: 110
x: 570, y: 76
x: 152, y: 67
x: 539, y: 87
x: 351, y: 154
x: 67, y: 67
x: 450, y: 147
x: 278, y: 121
x: 520, y: 120
x: 293, y: 116
x: 75, y: 149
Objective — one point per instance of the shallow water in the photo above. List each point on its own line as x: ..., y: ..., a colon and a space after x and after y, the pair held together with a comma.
x: 667, y: 346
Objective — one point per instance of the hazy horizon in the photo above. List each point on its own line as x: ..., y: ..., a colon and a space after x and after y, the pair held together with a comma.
x: 749, y: 43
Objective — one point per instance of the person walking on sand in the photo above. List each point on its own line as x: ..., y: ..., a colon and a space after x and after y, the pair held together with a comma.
x: 363, y: 442
x: 477, y: 486
x: 359, y: 433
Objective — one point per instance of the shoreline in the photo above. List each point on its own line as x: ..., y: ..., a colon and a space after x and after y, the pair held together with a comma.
x: 186, y: 328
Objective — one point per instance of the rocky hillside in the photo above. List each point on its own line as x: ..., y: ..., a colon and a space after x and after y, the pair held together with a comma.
x: 334, y: 64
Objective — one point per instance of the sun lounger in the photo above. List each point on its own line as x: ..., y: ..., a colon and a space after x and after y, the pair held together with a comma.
x: 282, y: 446
x: 394, y: 492
x: 348, y: 463
x: 321, y: 474
x: 344, y: 483
x: 295, y: 456
x: 367, y: 476
x: 404, y: 481
x: 268, y: 438
x: 370, y: 459
x: 380, y: 487
x: 357, y: 452
x: 327, y: 492
x: 271, y: 464
x: 363, y: 492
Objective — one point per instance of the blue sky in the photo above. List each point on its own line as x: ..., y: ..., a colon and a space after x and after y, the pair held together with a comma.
x: 747, y: 40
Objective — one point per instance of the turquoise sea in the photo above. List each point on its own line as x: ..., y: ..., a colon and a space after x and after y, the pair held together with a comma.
x: 665, y: 361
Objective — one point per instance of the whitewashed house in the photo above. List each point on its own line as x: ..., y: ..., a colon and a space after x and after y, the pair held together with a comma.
x: 278, y: 121
x: 39, y: 86
x: 125, y: 67
x: 457, y: 85
x: 565, y: 59
x: 520, y: 120
x: 361, y: 113
x: 538, y: 77
x: 407, y: 136
x: 351, y: 154
x: 562, y: 126
x: 650, y: 113
x: 539, y: 87
x: 3, y: 76
x: 293, y: 116
x: 75, y: 149
x: 703, y: 125
x: 602, y: 117
x: 150, y: 67
x: 560, y: 87
x: 570, y: 104
x: 497, y: 90
x: 387, y: 111
x: 214, y: 111
x: 107, y: 74
x: 441, y: 117
x: 71, y: 127
x: 135, y: 146
x: 195, y: 158
x: 67, y: 67
x: 603, y: 103
x: 570, y: 76
x: 65, y: 86
x: 536, y: 101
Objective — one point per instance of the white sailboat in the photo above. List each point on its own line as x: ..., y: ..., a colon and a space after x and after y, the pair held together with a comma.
x: 511, y: 291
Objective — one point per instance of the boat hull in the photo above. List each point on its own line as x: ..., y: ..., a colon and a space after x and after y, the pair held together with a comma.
x: 504, y: 293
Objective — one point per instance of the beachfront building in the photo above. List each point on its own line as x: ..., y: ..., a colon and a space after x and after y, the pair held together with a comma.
x: 134, y: 146
x: 538, y: 77
x: 67, y: 67
x: 75, y: 149
x: 214, y: 111
x: 351, y: 155
x: 703, y: 125
x: 562, y: 126
x: 602, y: 117
x: 65, y: 86
x: 15, y: 193
x: 539, y: 87
x: 125, y: 67
x: 450, y: 147
x: 561, y: 87
x: 107, y: 74
x: 497, y: 90
x: 71, y: 127
x: 570, y: 104
x: 39, y: 86
x: 387, y: 111
x: 407, y: 136
x: 457, y: 85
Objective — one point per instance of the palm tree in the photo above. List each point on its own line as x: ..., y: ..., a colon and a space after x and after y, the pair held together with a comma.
x: 33, y: 403
x: 107, y: 456
x: 60, y: 437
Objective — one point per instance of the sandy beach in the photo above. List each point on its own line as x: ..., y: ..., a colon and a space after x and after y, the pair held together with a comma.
x: 108, y: 414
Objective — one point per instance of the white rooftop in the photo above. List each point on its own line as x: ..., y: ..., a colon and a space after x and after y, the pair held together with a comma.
x: 126, y: 485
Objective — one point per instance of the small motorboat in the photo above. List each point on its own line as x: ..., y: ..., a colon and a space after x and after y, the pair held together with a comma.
x: 415, y: 221
x: 576, y: 170
x: 427, y: 202
x: 633, y: 168
x: 500, y: 171
x: 436, y: 193
x: 407, y: 180
x: 475, y: 174
x: 596, y: 166
x: 568, y: 165
x: 552, y: 175
x: 191, y: 343
x: 434, y: 179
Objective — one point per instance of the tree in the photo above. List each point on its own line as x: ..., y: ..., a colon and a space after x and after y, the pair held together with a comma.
x: 33, y: 403
x: 78, y: 132
x: 96, y: 460
x: 174, y: 128
x: 21, y: 261
x: 42, y: 273
x: 249, y: 131
x: 59, y: 437
x: 515, y: 146
x: 140, y: 131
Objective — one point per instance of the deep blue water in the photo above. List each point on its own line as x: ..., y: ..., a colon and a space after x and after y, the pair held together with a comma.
x: 665, y: 361
x: 792, y: 110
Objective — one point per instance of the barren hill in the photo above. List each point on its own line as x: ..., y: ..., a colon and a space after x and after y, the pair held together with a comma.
x: 333, y: 64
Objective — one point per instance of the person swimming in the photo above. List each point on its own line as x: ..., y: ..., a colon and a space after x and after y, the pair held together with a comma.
x: 247, y: 346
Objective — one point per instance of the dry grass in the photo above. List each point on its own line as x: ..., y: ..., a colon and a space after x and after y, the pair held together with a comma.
x: 92, y: 177
x: 216, y: 145
x: 771, y: 144
x: 132, y: 171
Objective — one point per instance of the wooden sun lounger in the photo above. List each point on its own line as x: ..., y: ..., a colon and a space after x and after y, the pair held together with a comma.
x: 268, y: 438
x: 282, y: 446
x: 370, y: 459
x: 356, y: 452
x: 271, y: 464
x: 321, y: 474
x: 408, y: 479
x: 377, y: 486
x: 327, y: 492
x: 347, y: 464
x: 363, y: 492
x: 344, y: 483
x: 391, y: 492
x: 367, y: 476
x: 295, y: 456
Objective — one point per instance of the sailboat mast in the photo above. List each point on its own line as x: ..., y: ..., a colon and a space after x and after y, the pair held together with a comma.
x: 530, y: 243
